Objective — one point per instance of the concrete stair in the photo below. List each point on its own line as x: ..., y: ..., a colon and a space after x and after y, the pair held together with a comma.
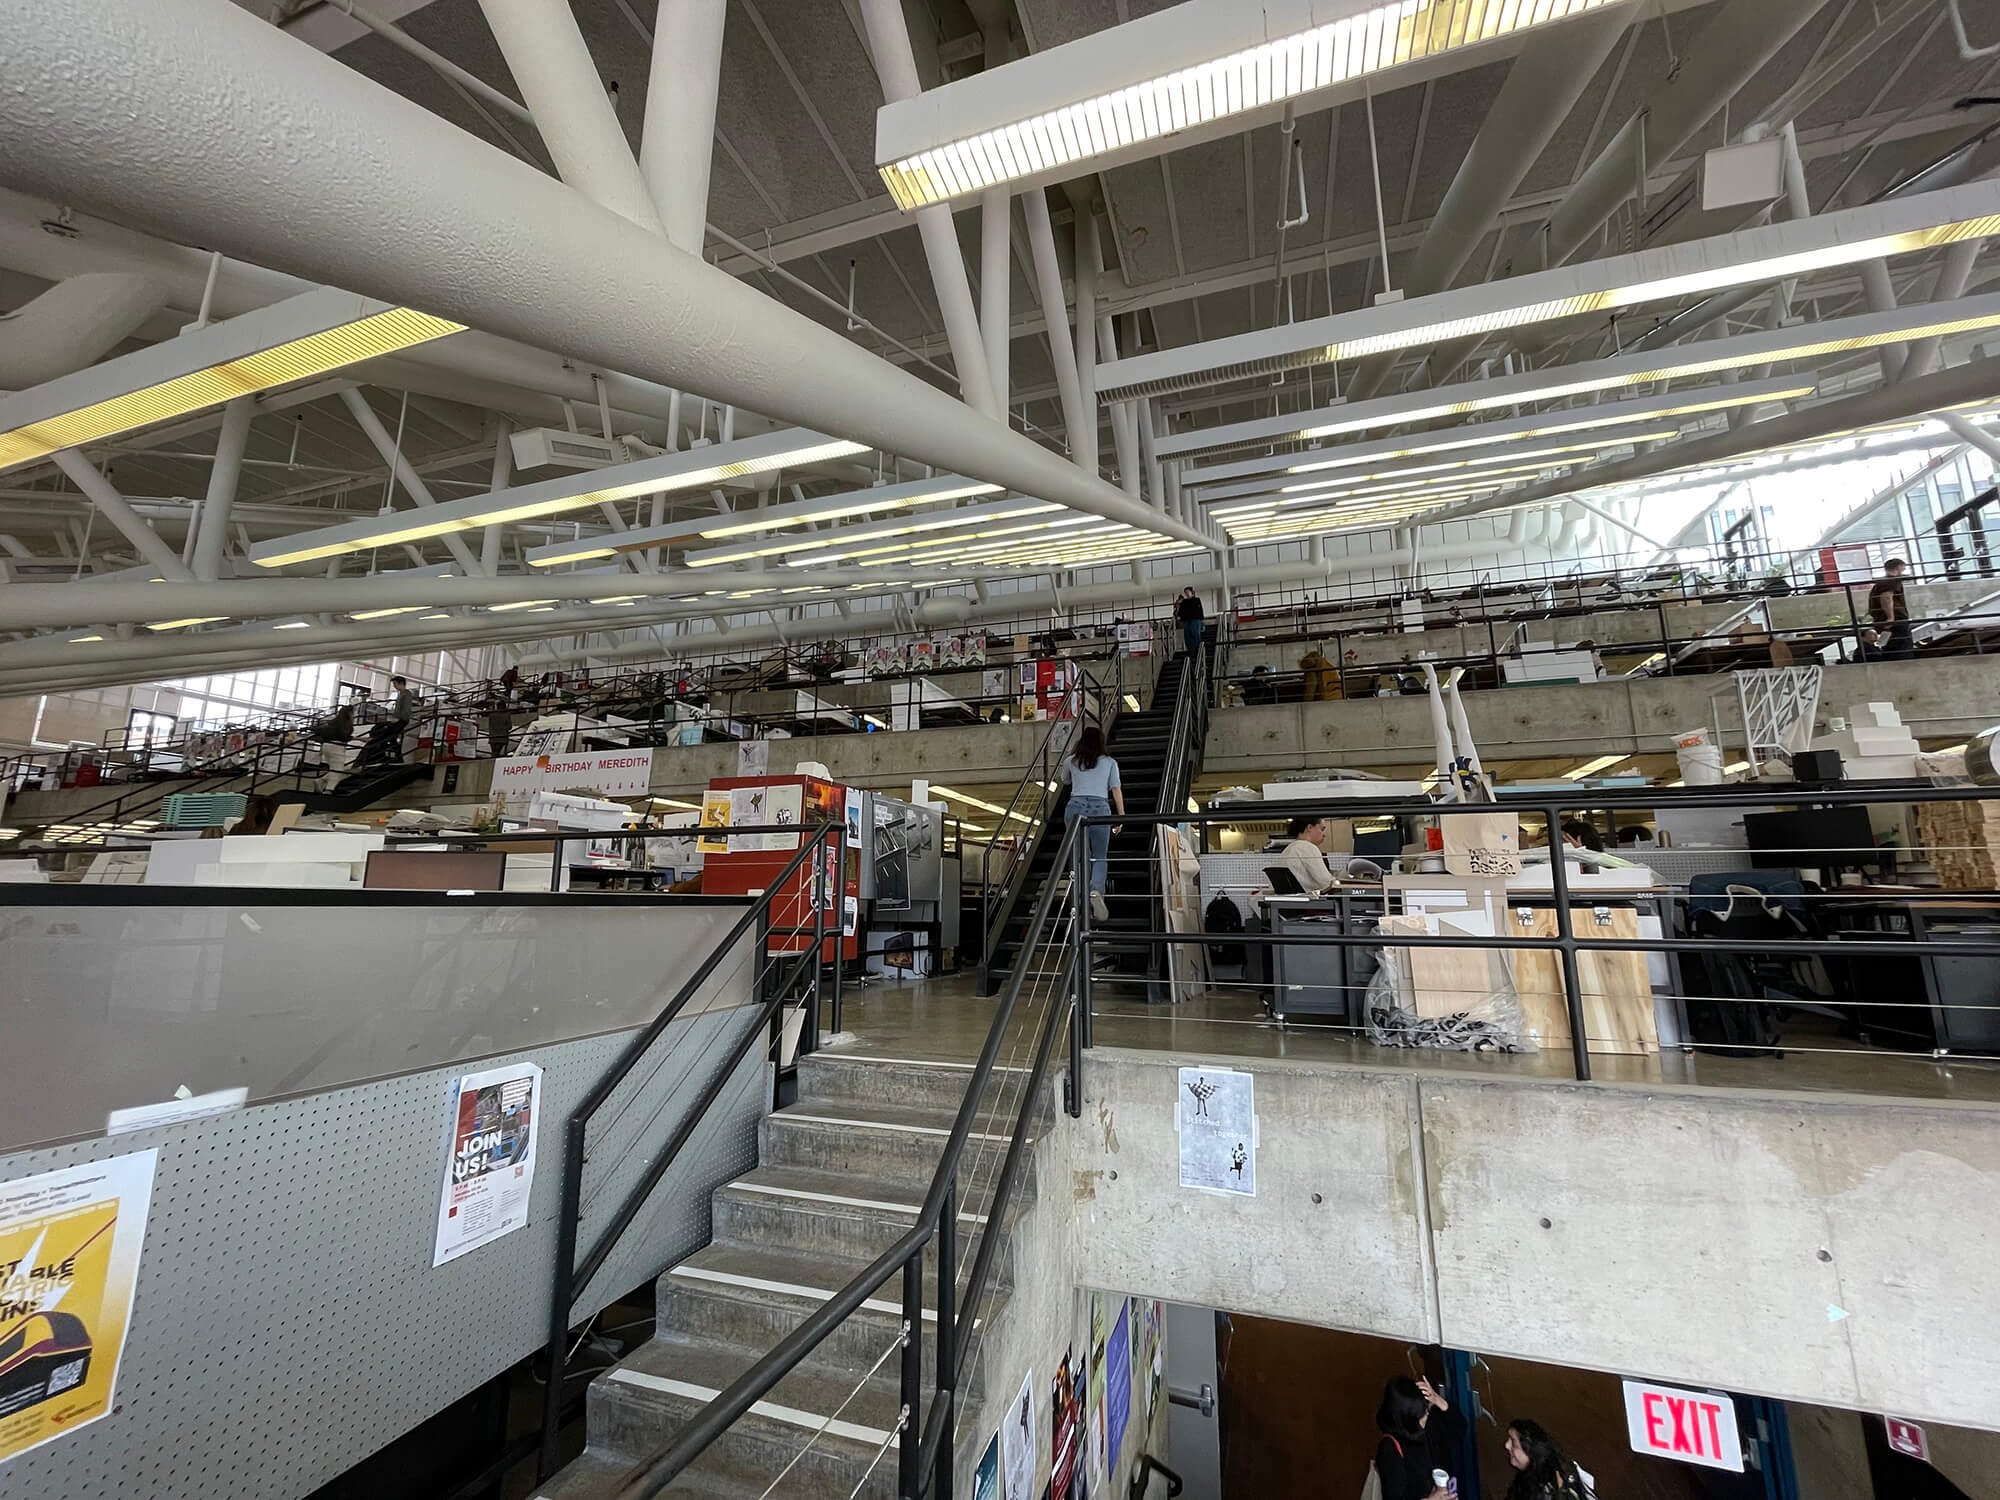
x: 840, y: 1176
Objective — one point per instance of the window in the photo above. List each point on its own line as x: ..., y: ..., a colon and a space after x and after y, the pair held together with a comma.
x: 146, y: 728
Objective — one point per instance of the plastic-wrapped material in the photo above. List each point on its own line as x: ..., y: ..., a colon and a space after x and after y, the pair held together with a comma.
x: 1458, y: 999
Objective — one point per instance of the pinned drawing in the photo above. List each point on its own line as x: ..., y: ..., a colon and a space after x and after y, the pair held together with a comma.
x: 1218, y: 1131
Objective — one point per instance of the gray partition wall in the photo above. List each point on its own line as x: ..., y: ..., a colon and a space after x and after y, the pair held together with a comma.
x: 287, y: 1320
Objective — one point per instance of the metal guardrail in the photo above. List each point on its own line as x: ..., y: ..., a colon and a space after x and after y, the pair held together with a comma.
x: 571, y: 1273
x: 925, y: 1448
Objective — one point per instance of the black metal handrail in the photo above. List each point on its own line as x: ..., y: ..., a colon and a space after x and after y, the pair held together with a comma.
x: 151, y: 794
x: 925, y: 1451
x: 570, y: 1275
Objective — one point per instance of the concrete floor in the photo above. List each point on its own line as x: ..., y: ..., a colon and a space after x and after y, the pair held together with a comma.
x: 944, y: 1019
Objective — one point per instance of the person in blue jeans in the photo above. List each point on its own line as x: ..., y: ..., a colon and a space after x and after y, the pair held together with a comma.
x: 1094, y: 791
x: 1188, y: 610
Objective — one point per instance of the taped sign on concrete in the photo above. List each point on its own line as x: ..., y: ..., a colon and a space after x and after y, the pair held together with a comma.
x: 1216, y: 1116
x: 1690, y: 1427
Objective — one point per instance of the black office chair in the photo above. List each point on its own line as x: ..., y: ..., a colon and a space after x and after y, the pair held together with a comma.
x: 1283, y: 881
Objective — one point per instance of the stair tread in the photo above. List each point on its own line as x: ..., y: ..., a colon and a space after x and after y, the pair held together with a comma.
x: 678, y: 1369
x: 837, y: 1191
x: 593, y: 1474
x: 914, y: 1119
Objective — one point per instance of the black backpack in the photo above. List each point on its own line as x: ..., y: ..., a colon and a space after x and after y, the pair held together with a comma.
x: 1222, y: 915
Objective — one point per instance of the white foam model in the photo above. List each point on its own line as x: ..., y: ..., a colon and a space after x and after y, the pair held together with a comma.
x: 1874, y: 746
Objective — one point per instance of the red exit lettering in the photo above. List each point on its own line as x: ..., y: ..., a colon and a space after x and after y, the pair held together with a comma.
x: 1694, y: 1427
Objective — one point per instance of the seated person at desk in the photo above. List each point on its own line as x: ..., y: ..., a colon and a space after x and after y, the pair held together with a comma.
x: 1303, y: 855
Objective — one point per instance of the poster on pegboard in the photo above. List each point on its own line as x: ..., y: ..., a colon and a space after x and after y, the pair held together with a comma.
x: 69, y: 1249
x: 489, y: 1158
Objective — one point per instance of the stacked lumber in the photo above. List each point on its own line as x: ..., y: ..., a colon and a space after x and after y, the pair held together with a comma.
x: 1962, y: 842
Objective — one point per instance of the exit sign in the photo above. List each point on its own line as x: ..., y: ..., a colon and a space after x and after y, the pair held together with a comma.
x: 1907, y: 1438
x: 1690, y: 1427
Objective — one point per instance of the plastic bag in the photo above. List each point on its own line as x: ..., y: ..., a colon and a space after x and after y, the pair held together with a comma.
x: 1458, y: 999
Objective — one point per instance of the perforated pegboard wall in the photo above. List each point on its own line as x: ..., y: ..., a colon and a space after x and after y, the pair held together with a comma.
x: 288, y: 1321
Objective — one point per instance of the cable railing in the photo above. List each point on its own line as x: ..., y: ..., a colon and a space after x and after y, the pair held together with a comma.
x: 924, y: 1434
x: 1768, y: 951
x: 786, y: 929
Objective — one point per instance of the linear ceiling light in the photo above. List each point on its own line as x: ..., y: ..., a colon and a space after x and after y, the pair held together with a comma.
x: 1592, y: 767
x: 1804, y: 342
x: 766, y: 518
x: 849, y: 538
x: 1773, y: 253
x: 1547, y: 424
x: 1175, y: 71
x: 297, y: 339
x: 785, y: 448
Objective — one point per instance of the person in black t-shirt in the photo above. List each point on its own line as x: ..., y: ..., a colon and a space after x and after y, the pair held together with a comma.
x: 1889, y: 608
x: 1420, y: 1434
x: 1188, y: 610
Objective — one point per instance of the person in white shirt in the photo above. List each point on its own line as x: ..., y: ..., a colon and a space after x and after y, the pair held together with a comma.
x: 1303, y: 855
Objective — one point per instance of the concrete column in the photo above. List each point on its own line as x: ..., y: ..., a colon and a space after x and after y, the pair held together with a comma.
x: 212, y: 537
x: 1055, y: 312
x: 406, y: 475
x: 679, y: 140
x: 118, y: 511
x: 546, y: 55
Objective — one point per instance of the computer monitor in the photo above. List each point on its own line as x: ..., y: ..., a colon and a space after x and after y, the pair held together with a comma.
x: 1813, y: 838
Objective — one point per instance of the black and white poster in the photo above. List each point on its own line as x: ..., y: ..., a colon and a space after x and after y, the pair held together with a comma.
x: 1217, y: 1118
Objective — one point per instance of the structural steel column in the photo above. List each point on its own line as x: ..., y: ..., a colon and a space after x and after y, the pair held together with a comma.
x: 501, y: 477
x: 118, y: 511
x: 1124, y: 417
x: 1953, y: 277
x: 679, y: 141
x: 546, y: 55
x: 212, y: 537
x: 412, y: 482
x: 1089, y: 261
x: 896, y: 66
x: 1055, y: 313
x: 996, y: 273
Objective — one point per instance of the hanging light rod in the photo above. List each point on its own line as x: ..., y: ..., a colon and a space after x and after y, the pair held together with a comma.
x: 694, y: 468
x: 764, y: 518
x: 1773, y: 253
x: 1177, y: 77
x: 297, y: 339
x: 1808, y: 341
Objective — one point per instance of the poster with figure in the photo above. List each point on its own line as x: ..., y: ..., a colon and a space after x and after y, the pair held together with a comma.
x: 986, y: 1478
x: 489, y: 1158
x: 69, y: 1257
x: 715, y: 812
x: 1217, y: 1120
x: 1063, y: 1409
x: 1118, y: 1384
x: 1017, y: 1442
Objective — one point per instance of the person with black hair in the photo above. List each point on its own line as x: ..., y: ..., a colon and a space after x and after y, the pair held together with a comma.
x: 1420, y: 1434
x: 1581, y: 835
x: 1542, y: 1471
x: 1188, y: 610
x: 1889, y: 608
x: 1303, y: 856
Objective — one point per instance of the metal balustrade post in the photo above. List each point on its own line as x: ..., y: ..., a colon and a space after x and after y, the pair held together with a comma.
x: 816, y: 893
x: 839, y: 834
x: 909, y: 1445
x: 560, y: 1298
x: 1079, y: 895
x: 1579, y: 1042
x: 947, y: 1341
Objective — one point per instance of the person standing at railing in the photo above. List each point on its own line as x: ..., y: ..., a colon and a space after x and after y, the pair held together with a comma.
x: 1889, y: 607
x: 1188, y: 610
x: 1094, y: 791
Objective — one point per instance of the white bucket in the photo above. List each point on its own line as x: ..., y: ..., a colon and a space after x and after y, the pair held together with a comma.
x: 1700, y: 761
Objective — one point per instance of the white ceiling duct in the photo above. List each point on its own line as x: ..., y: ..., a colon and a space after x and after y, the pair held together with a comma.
x: 74, y: 323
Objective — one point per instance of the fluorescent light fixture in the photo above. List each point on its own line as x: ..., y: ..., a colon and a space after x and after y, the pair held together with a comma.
x: 501, y: 609
x: 288, y: 341
x: 1592, y: 767
x: 183, y: 624
x: 694, y: 469
x: 78, y: 640
x: 1599, y: 415
x: 1736, y: 768
x: 676, y: 802
x: 847, y: 541
x: 294, y: 625
x: 1621, y: 372
x: 767, y: 518
x: 1128, y: 91
x: 982, y: 805
x: 440, y: 615
x: 1773, y: 253
x: 383, y: 614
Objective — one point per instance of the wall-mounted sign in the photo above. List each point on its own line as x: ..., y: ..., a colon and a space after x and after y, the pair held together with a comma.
x: 607, y: 773
x: 489, y: 1158
x: 69, y: 1257
x: 1690, y: 1427
x: 1217, y: 1121
x: 1907, y: 1438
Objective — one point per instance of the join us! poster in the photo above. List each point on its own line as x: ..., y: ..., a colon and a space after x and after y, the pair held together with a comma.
x: 489, y: 1159
x: 69, y: 1258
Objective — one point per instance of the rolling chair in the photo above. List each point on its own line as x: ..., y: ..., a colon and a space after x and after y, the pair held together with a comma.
x: 1283, y: 881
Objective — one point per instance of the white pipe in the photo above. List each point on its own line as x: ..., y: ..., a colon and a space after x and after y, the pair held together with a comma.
x: 118, y: 511
x: 212, y: 537
x: 1124, y: 417
x: 1055, y: 315
x: 1089, y: 262
x: 384, y: 197
x: 1146, y: 415
x: 679, y: 140
x: 1447, y: 787
x: 406, y: 474
x: 1517, y: 528
x: 546, y: 55
x: 1953, y: 277
x: 1880, y: 293
x: 74, y: 323
x: 896, y: 66
x: 996, y: 285
x: 1461, y: 727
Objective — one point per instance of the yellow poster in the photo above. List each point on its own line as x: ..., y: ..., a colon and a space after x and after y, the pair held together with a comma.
x: 69, y: 1256
x: 714, y: 814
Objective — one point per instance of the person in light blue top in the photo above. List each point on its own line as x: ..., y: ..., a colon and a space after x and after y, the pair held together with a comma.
x: 1094, y: 790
